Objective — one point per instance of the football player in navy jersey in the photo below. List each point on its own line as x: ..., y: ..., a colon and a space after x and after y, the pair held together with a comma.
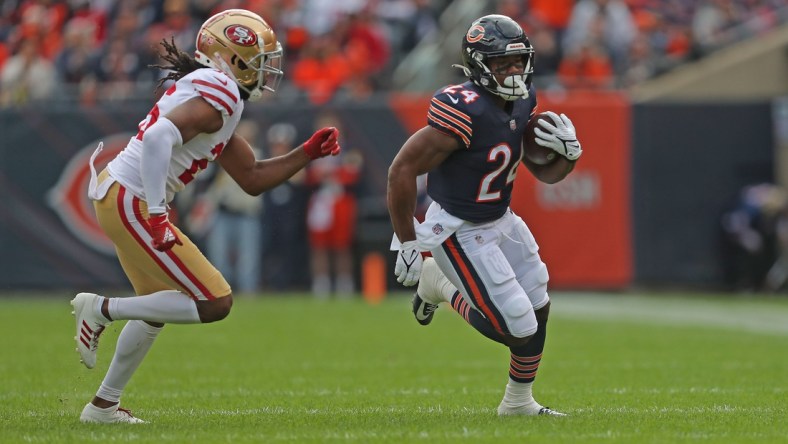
x: 485, y: 261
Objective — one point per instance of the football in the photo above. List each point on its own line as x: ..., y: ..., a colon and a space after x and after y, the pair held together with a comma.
x: 533, y: 151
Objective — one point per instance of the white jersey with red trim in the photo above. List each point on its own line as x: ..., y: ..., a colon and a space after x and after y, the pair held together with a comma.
x: 189, y: 159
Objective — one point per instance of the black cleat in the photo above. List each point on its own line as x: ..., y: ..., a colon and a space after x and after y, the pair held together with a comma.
x: 547, y: 411
x: 422, y: 310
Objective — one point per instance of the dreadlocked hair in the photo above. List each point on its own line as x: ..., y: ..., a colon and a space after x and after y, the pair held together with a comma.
x: 180, y: 62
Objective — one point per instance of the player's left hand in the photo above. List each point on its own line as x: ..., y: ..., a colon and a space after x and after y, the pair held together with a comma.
x: 409, y: 261
x: 164, y: 236
x: 560, y: 137
x: 325, y: 142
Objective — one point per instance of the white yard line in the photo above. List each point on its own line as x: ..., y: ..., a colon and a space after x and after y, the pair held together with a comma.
x: 738, y: 315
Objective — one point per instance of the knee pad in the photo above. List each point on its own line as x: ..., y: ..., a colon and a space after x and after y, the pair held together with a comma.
x: 510, y: 298
x: 535, y: 285
x: 520, y: 317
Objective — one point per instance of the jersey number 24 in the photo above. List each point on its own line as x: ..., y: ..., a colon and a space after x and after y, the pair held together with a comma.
x: 499, y: 153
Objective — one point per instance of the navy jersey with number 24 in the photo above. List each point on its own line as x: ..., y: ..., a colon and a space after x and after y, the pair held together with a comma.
x: 475, y: 182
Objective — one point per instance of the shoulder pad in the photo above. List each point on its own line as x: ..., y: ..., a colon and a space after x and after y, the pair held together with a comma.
x: 451, y: 112
x: 216, y: 88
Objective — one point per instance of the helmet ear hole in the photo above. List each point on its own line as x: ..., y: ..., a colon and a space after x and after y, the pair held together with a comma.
x: 235, y: 60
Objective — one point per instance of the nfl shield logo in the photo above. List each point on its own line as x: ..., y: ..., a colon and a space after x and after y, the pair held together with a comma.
x: 437, y: 228
x: 512, y: 125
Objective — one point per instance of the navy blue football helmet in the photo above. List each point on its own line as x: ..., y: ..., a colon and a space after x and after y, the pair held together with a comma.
x: 495, y: 36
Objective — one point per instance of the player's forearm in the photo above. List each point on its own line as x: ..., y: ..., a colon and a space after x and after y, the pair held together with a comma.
x: 401, y: 200
x: 270, y: 173
x: 401, y: 213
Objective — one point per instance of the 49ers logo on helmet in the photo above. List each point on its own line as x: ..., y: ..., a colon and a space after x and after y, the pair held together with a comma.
x: 240, y: 35
x: 475, y: 34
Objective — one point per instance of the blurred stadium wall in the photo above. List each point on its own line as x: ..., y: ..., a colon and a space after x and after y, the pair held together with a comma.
x: 642, y: 207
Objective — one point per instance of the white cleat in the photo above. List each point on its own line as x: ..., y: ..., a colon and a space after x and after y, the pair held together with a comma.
x: 112, y: 415
x: 89, y: 327
x: 533, y: 409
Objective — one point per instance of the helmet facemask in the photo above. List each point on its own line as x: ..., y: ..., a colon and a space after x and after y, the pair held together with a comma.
x: 262, y: 72
x: 514, y: 86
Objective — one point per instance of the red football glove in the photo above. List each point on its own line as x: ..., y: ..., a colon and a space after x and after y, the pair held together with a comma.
x: 163, y: 232
x: 323, y: 143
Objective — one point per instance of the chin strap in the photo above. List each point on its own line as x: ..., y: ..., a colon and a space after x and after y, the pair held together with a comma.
x: 463, y: 68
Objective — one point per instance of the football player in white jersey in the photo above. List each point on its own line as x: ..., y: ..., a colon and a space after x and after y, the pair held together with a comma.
x: 237, y: 58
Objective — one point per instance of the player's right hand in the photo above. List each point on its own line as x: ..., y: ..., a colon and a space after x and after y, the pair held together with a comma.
x: 325, y: 142
x: 560, y: 137
x: 164, y: 236
x: 409, y: 261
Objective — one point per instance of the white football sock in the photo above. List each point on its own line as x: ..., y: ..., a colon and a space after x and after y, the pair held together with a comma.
x: 519, y: 394
x: 100, y: 303
x: 446, y: 288
x: 167, y: 306
x: 110, y: 409
x: 134, y: 342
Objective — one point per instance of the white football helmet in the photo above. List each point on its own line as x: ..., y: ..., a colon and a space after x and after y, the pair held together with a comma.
x: 242, y: 45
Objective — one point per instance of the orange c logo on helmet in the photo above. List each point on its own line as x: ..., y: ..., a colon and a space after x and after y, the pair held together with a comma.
x: 69, y: 197
x: 475, y: 34
x: 240, y: 35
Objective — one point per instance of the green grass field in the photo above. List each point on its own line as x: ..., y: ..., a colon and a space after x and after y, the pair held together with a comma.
x: 626, y: 368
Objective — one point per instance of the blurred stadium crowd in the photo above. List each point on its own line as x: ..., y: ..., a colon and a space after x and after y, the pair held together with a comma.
x: 99, y: 50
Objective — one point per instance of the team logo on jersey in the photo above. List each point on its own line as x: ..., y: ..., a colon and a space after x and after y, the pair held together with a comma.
x: 512, y: 125
x: 69, y: 196
x: 240, y: 35
x: 475, y: 34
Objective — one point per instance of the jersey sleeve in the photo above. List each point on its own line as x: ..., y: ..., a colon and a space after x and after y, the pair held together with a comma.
x: 217, y: 89
x: 448, y: 114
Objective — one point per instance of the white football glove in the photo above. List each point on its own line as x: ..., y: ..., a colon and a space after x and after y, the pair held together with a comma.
x: 408, y: 267
x: 560, y: 137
